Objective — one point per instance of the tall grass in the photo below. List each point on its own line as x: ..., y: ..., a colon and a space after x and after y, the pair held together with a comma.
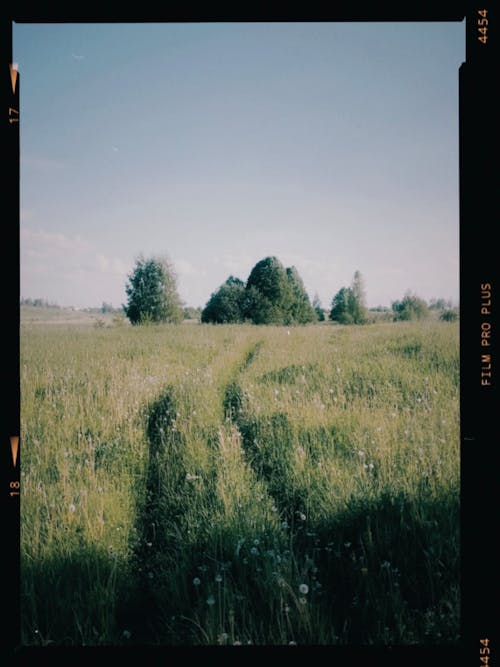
x: 239, y: 484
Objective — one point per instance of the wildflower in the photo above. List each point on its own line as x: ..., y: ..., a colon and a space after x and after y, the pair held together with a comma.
x: 284, y: 525
x: 223, y: 638
x: 218, y: 578
x: 302, y: 600
x: 71, y: 507
x: 302, y: 516
x: 254, y: 551
x: 371, y: 466
x: 393, y: 414
x: 292, y: 643
x: 149, y: 544
x: 287, y: 609
x: 196, y: 581
x: 347, y: 544
x: 126, y: 634
x: 276, y: 392
x: 210, y: 600
x: 304, y: 589
x: 236, y: 643
x: 364, y: 570
x: 361, y: 453
x: 378, y: 429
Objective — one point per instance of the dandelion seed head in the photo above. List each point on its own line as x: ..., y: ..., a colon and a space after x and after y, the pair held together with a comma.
x: 196, y: 581
x: 126, y: 634
x: 71, y: 507
x: 210, y: 600
x: 218, y: 578
x: 304, y: 589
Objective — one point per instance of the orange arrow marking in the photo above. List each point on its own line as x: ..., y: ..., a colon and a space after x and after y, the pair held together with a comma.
x: 14, y: 448
x: 13, y: 77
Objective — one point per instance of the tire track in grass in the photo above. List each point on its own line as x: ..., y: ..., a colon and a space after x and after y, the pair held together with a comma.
x: 270, y: 460
x: 176, y: 499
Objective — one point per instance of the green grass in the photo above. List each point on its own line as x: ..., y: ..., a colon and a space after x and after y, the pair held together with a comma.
x: 239, y: 484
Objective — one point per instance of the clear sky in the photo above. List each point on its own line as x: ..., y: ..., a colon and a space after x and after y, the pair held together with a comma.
x: 333, y: 146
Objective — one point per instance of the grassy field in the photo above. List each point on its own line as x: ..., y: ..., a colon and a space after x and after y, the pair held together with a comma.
x: 200, y: 484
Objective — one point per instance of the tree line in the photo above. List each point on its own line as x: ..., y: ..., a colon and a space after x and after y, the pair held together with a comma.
x: 272, y: 294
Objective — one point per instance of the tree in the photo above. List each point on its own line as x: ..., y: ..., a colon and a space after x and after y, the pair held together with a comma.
x: 299, y: 309
x: 449, y: 315
x: 316, y: 304
x: 440, y: 304
x: 226, y: 305
x: 348, y: 305
x: 152, y: 292
x: 276, y: 295
x: 411, y: 307
x: 357, y: 300
x: 270, y: 297
x: 341, y: 303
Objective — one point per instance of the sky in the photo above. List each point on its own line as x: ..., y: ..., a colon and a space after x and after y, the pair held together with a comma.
x: 333, y: 146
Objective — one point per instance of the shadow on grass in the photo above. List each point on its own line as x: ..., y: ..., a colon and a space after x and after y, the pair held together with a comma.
x: 381, y: 571
x: 71, y: 599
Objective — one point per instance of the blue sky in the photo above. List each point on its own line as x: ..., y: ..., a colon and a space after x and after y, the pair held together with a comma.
x: 331, y: 146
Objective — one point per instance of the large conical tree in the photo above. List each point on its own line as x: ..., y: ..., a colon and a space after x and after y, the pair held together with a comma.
x: 276, y: 295
x: 269, y: 290
x: 300, y: 309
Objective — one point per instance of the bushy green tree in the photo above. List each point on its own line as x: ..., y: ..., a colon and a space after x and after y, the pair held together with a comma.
x: 299, y: 309
x: 341, y: 303
x: 226, y: 305
x: 449, y: 315
x: 152, y: 292
x: 348, y: 305
x: 411, y: 307
x: 276, y: 295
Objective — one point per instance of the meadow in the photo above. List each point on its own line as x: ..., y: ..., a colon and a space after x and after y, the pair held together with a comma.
x: 239, y: 484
